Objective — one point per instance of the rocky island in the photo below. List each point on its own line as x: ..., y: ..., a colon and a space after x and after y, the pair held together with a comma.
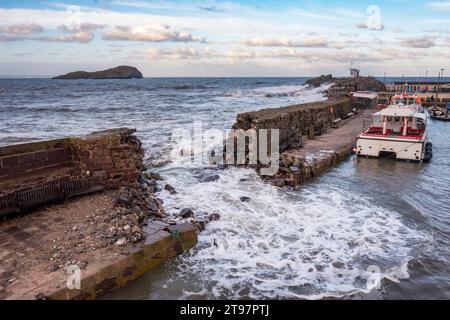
x: 121, y: 72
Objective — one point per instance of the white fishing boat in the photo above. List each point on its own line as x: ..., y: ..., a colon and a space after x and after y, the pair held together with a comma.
x: 398, y: 131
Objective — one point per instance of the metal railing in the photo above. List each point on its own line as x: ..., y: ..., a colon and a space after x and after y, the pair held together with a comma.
x: 20, y: 201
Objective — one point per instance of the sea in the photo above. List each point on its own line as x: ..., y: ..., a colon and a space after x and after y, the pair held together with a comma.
x: 367, y: 229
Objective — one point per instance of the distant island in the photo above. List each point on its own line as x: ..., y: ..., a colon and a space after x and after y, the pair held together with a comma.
x: 121, y: 72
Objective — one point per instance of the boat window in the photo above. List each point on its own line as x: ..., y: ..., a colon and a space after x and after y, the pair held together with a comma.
x: 388, y: 119
x: 376, y: 119
x: 420, y: 124
x: 397, y: 119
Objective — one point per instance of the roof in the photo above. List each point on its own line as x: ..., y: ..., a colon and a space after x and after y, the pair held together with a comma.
x: 366, y: 95
x: 412, y: 83
x: 397, y: 112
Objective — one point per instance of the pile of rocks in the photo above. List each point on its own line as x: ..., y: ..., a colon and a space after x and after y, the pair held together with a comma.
x: 318, y: 81
x: 130, y: 213
x: 343, y: 86
x: 119, y: 226
x: 200, y: 219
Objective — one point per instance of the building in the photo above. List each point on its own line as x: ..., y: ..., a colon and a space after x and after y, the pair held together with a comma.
x: 421, y: 86
x: 354, y: 73
x: 364, y: 99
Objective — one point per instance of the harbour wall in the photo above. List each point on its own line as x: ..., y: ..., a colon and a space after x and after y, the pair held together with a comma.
x: 309, y: 145
x: 295, y: 121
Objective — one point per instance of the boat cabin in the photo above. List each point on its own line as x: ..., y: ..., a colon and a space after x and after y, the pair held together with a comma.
x: 406, y: 100
x: 397, y: 122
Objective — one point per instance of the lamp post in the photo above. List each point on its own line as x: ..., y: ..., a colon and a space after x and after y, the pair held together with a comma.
x: 440, y: 81
x: 438, y: 86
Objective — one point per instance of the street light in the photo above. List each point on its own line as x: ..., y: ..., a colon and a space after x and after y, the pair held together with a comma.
x: 441, y: 73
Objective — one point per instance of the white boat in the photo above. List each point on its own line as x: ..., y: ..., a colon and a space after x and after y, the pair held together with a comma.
x: 398, y: 131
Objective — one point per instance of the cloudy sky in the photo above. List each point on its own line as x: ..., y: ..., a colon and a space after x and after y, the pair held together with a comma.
x: 225, y: 38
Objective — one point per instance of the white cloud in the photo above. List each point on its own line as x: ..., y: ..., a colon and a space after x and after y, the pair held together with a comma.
x: 306, y: 43
x: 178, y: 53
x: 80, y: 27
x: 80, y: 37
x: 240, y: 54
x: 365, y: 26
x: 150, y: 33
x: 21, y: 29
x: 418, y: 42
x: 190, y: 53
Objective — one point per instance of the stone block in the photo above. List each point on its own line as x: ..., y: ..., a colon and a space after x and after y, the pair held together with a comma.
x: 11, y: 161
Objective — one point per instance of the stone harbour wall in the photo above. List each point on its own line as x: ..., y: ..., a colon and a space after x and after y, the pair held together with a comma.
x: 303, y: 156
x: 42, y: 172
x: 296, y: 170
x: 117, y: 152
x: 295, y: 121
x: 26, y: 159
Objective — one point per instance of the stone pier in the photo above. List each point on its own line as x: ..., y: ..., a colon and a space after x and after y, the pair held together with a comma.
x: 313, y: 137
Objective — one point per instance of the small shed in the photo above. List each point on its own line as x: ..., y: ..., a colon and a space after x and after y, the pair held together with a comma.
x: 364, y: 99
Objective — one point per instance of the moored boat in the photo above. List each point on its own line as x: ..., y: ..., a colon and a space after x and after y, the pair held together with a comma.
x: 437, y: 113
x: 400, y: 131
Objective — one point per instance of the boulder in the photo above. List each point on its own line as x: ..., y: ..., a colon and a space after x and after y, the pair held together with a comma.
x: 245, y: 199
x: 171, y: 189
x: 153, y: 176
x: 199, y: 224
x: 214, y: 217
x: 209, y: 178
x: 186, y: 213
x: 121, y: 242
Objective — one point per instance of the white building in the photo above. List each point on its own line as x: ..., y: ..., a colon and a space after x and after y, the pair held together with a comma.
x: 354, y: 73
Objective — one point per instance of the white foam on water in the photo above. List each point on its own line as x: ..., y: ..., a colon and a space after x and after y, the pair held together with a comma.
x: 176, y: 152
x: 302, y: 93
x: 316, y: 242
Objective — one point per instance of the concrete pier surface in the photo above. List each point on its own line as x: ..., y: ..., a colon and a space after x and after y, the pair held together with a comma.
x: 301, y: 165
x: 42, y: 252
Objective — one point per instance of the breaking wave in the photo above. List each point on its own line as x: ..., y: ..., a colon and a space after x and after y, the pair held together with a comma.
x: 298, y: 91
x: 320, y: 242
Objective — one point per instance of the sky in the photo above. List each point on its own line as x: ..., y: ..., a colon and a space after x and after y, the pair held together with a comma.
x: 212, y: 38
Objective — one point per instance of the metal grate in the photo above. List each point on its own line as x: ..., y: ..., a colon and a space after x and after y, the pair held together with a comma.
x: 59, y: 190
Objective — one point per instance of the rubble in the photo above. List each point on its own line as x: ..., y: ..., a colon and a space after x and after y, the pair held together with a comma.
x: 186, y: 213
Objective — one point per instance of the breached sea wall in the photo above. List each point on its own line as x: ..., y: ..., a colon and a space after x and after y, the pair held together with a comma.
x: 112, y: 237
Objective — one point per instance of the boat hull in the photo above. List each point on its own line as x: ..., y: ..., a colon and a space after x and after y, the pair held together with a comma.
x: 400, y: 149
